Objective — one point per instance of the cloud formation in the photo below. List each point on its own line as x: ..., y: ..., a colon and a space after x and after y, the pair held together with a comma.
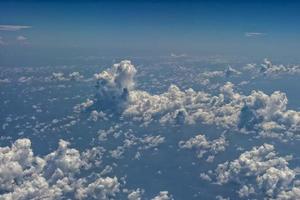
x: 258, y: 170
x: 202, y: 146
x: 26, y: 176
x: 13, y: 27
x: 21, y: 38
x: 2, y: 41
x: 267, y: 68
x: 257, y: 112
x: 254, y: 34
x: 115, y: 83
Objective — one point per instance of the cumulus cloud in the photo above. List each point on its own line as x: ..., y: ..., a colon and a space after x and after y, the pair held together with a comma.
x: 59, y: 76
x: 163, y: 195
x: 143, y: 143
x: 135, y: 195
x: 84, y: 106
x: 26, y: 176
x: 115, y: 83
x: 267, y: 68
x: 101, y: 188
x: 229, y: 71
x: 257, y: 112
x: 259, y: 169
x: 292, y: 194
x: 266, y: 114
x: 203, y: 146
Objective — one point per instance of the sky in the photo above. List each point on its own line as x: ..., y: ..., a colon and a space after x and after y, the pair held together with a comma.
x: 42, y: 31
x: 149, y: 100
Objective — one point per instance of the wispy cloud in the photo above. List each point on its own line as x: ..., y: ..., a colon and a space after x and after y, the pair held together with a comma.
x: 21, y: 38
x: 13, y: 27
x: 254, y: 34
x: 1, y: 41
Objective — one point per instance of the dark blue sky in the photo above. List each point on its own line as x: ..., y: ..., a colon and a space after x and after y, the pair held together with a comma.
x: 134, y: 28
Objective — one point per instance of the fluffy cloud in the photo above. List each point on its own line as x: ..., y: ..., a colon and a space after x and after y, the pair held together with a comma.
x: 101, y: 188
x: 115, y: 83
x: 229, y: 71
x: 25, y: 176
x: 292, y: 194
x: 143, y: 143
x: 59, y: 76
x: 84, y: 106
x: 203, y: 146
x: 269, y: 69
x: 266, y: 114
x: 261, y: 166
x: 163, y: 195
x: 135, y: 195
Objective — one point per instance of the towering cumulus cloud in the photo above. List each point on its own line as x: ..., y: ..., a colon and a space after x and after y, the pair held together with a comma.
x: 115, y: 83
x: 264, y: 114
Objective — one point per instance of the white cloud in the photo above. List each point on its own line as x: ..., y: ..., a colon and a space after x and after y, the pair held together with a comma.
x: 2, y: 41
x: 135, y: 195
x: 101, y: 188
x: 26, y: 176
x: 254, y: 34
x: 145, y: 142
x: 268, y: 171
x: 115, y: 83
x: 59, y: 76
x: 21, y: 38
x: 163, y: 195
x: 13, y: 27
x: 257, y: 112
x: 267, y: 68
x: 292, y: 194
x: 203, y: 146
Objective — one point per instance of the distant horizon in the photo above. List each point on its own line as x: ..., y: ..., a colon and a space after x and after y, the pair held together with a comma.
x: 34, y: 30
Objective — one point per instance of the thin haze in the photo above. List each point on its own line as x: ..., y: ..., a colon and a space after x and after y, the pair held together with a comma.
x: 33, y: 31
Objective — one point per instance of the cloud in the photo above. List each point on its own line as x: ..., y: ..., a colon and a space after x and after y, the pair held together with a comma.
x: 101, y: 188
x: 26, y: 176
x: 135, y: 195
x: 254, y: 34
x: 59, y: 76
x: 292, y: 194
x: 13, y: 27
x: 163, y: 195
x: 115, y: 83
x: 256, y: 170
x: 229, y: 71
x: 270, y: 69
x: 202, y: 146
x: 21, y: 38
x: 259, y: 112
x: 2, y: 41
x: 143, y: 143
x: 256, y: 112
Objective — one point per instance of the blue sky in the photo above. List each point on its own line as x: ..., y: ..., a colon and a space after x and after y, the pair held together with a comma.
x: 133, y: 28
